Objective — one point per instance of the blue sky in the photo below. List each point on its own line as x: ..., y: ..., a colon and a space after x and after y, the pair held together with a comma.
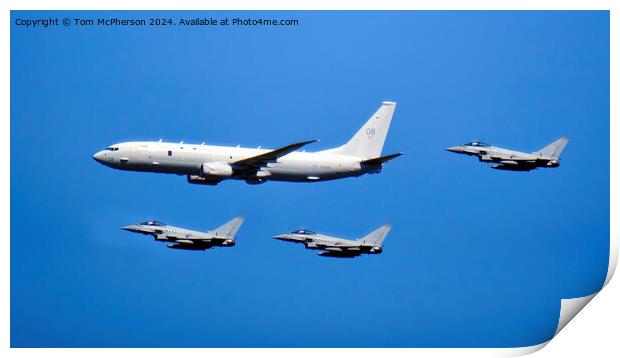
x: 476, y: 257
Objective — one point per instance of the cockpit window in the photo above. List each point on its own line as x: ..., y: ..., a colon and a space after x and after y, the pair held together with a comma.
x: 477, y: 144
x: 153, y: 223
x: 303, y: 232
x: 112, y: 149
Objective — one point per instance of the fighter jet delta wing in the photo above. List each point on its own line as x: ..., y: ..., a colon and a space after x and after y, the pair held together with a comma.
x: 186, y: 236
x: 522, y: 163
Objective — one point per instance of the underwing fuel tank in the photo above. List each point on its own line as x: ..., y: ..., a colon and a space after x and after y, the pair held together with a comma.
x: 509, y: 162
x: 184, y: 242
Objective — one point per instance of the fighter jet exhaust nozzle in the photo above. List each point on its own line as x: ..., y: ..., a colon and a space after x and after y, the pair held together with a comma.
x: 553, y: 163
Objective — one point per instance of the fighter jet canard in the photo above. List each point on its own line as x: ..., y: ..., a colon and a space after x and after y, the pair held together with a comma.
x: 506, y: 159
x: 338, y: 247
x: 189, y: 239
x: 209, y: 164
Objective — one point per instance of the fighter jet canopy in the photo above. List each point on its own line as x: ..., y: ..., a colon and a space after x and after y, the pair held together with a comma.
x: 153, y: 223
x: 303, y: 232
x: 477, y: 144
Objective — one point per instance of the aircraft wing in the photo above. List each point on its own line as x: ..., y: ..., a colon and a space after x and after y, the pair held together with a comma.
x: 271, y: 156
x: 381, y: 160
x: 188, y: 237
x: 341, y: 247
x: 516, y: 164
x: 526, y: 160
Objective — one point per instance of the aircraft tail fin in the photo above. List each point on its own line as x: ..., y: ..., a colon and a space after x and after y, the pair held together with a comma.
x: 376, y: 237
x: 554, y: 149
x: 368, y: 141
x: 230, y: 228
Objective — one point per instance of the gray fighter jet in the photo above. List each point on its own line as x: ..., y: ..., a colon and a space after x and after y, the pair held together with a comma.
x: 506, y: 159
x: 337, y: 247
x: 188, y: 239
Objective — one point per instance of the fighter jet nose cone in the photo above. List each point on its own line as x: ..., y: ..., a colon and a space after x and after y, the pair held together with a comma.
x: 128, y: 228
x: 281, y: 237
x: 454, y: 149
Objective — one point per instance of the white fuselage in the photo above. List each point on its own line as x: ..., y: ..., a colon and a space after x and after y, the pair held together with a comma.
x: 188, y: 159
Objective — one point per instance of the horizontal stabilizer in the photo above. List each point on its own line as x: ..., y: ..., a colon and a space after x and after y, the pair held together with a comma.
x: 271, y: 156
x: 381, y: 160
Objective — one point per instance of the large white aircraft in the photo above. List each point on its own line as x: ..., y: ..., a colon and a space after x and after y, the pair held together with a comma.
x: 209, y: 164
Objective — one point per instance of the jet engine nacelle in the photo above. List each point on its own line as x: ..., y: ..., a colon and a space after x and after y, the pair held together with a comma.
x: 217, y: 169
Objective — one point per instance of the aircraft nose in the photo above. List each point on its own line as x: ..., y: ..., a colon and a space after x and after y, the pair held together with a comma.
x: 282, y: 237
x: 98, y: 156
x: 131, y: 228
x: 455, y: 149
